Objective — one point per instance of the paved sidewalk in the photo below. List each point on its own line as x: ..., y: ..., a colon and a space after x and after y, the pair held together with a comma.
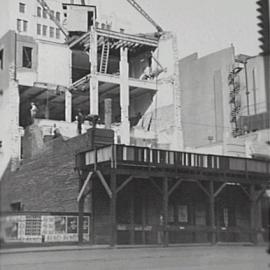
x: 70, y: 247
x: 171, y: 258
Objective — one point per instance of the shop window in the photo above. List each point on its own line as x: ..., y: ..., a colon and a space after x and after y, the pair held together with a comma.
x: 39, y: 29
x: 51, y: 32
x: 2, y: 59
x: 39, y: 11
x: 27, y: 57
x: 25, y: 26
x: 22, y: 7
x: 44, y: 30
x: 57, y: 33
x: 57, y: 16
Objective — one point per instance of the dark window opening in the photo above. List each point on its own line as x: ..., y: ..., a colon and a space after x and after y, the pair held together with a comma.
x: 52, y: 14
x: 57, y: 16
x: 1, y: 59
x: 27, y: 57
x: 57, y: 33
x: 44, y: 30
x: 19, y: 29
x: 39, y: 29
x: 90, y: 19
x: 44, y: 14
x: 22, y: 7
x: 16, y: 206
x: 39, y: 11
x: 25, y: 26
x: 51, y: 32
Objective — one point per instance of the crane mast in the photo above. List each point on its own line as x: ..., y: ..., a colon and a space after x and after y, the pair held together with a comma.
x: 145, y: 15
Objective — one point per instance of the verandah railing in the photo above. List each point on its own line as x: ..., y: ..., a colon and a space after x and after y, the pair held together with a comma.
x: 146, y: 156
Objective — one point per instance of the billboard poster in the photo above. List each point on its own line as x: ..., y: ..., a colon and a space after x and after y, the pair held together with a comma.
x: 60, y: 224
x: 86, y: 225
x: 72, y: 224
x: 11, y: 228
x: 37, y: 228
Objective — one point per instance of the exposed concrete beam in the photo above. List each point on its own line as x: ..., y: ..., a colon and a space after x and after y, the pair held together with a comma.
x: 34, y: 95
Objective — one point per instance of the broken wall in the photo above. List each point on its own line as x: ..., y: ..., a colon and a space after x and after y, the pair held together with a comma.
x: 163, y: 115
x: 9, y: 106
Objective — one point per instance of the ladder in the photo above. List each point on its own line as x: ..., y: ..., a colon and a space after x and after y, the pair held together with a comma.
x: 104, y: 57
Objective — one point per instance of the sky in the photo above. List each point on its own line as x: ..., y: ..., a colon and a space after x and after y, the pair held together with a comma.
x: 202, y: 26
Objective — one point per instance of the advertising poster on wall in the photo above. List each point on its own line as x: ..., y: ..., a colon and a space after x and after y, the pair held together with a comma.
x: 85, y: 225
x: 182, y: 213
x: 9, y: 228
x: 60, y: 224
x: 72, y: 224
x: 38, y: 229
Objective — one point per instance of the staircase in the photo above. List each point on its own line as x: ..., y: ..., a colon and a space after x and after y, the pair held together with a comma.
x: 104, y: 57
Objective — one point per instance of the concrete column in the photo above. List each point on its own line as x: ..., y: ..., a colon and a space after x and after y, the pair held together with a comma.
x: 68, y: 106
x: 108, y: 112
x: 124, y: 96
x: 93, y: 73
x: 80, y: 214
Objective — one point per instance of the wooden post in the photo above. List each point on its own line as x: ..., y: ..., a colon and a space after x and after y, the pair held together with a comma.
x: 165, y: 211
x: 143, y: 216
x: 212, y: 213
x: 132, y: 233
x: 81, y: 210
x: 92, y: 207
x: 113, y: 209
x: 253, y: 214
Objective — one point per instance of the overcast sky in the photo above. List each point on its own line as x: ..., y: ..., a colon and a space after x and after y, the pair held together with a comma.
x: 202, y: 26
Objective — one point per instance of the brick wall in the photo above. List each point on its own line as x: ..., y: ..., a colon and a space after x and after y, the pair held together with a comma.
x: 47, y: 181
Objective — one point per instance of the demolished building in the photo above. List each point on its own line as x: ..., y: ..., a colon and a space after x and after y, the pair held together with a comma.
x: 128, y: 167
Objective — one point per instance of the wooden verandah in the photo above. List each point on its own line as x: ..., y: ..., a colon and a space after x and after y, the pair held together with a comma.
x: 117, y: 167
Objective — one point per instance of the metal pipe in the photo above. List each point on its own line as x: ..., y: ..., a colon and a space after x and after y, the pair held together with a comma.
x: 247, y: 92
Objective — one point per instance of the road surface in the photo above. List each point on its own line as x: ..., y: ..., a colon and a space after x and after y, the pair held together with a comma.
x: 186, y: 258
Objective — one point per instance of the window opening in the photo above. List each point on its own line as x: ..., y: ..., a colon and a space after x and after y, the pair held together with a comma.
x: 27, y: 57
x: 25, y: 24
x: 51, y: 32
x: 44, y: 30
x: 39, y: 11
x: 57, y: 33
x: 22, y: 7
x: 39, y: 29
x: 1, y: 59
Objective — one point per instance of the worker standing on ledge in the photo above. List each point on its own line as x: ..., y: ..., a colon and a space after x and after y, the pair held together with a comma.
x: 80, y: 120
x: 33, y: 112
